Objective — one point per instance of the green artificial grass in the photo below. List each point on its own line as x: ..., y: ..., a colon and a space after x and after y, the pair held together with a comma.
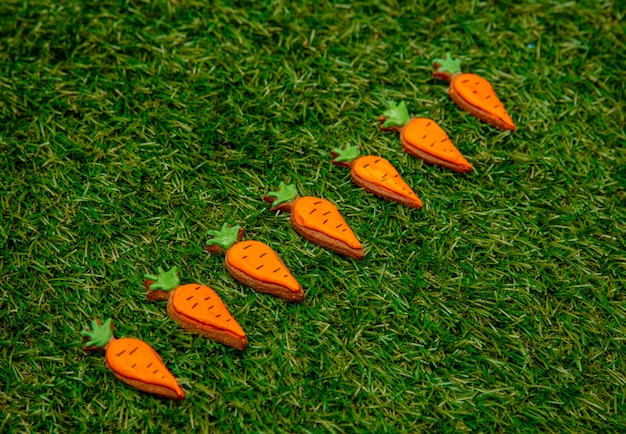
x: 129, y: 129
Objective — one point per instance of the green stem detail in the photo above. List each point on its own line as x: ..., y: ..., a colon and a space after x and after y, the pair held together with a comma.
x: 165, y: 280
x: 100, y: 335
x: 397, y: 115
x: 346, y: 154
x: 448, y: 64
x: 225, y: 237
x: 286, y: 193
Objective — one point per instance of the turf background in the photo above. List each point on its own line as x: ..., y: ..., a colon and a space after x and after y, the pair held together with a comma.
x: 128, y: 129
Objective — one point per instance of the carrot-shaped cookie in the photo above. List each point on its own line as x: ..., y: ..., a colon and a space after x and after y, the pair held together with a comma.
x: 317, y: 220
x: 254, y: 264
x: 197, y: 308
x: 133, y: 361
x: 423, y: 138
x: 473, y: 93
x: 376, y: 175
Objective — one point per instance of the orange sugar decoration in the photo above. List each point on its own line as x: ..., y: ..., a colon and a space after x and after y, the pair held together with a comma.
x: 381, y: 172
x: 473, y: 93
x: 321, y: 215
x: 478, y: 92
x: 425, y: 134
x: 202, y: 304
x: 260, y: 262
x: 136, y: 360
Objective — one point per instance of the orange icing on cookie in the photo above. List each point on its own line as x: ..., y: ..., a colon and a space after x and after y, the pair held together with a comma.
x: 260, y: 262
x: 427, y: 136
x: 201, y: 304
x: 135, y: 359
x: 381, y: 172
x: 478, y: 92
x: 322, y: 216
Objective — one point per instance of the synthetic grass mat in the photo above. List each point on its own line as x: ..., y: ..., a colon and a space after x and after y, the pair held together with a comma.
x: 129, y: 129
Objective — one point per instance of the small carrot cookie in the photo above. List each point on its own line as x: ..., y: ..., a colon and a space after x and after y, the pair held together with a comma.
x: 376, y: 175
x: 197, y: 308
x: 423, y: 138
x: 133, y: 361
x: 254, y: 264
x: 317, y: 220
x: 473, y: 93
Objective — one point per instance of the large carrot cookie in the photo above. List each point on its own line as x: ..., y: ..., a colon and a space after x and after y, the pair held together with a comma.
x: 133, y: 361
x: 317, y: 220
x: 473, y: 93
x: 376, y: 175
x: 254, y: 264
x: 423, y: 138
x: 197, y: 308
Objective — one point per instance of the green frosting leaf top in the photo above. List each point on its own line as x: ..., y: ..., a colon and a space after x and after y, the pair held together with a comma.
x: 449, y: 64
x: 225, y: 237
x: 347, y: 153
x: 165, y: 280
x: 286, y: 193
x: 397, y: 115
x: 100, y: 335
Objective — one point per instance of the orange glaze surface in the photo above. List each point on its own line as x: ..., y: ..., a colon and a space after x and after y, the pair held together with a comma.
x: 322, y: 216
x: 260, y: 262
x: 135, y: 359
x: 200, y: 303
x: 427, y: 136
x: 381, y: 172
x: 479, y: 93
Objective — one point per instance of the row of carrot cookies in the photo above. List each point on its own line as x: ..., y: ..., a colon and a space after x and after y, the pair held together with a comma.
x: 198, y: 308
